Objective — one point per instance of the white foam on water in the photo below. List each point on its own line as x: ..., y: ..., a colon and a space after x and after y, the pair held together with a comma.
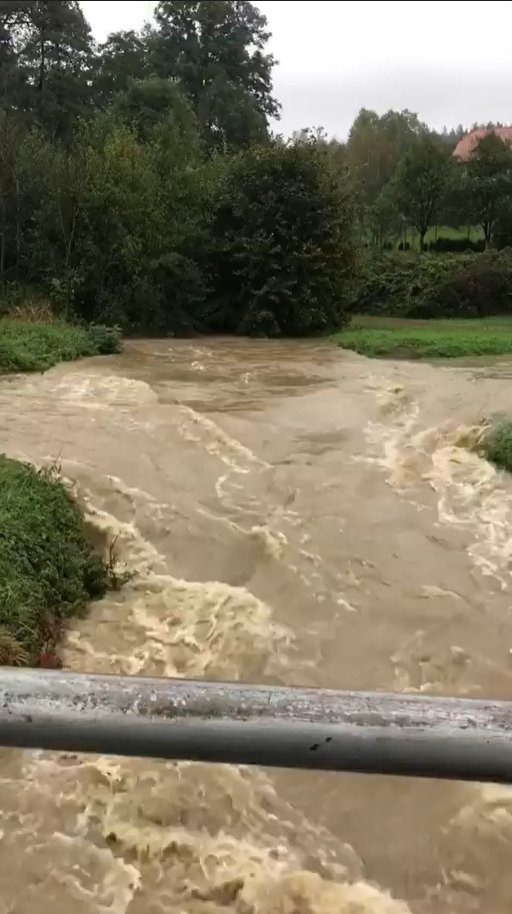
x: 471, y: 493
x: 199, y: 428
x: 91, y: 391
x: 124, y: 835
x: 475, y: 497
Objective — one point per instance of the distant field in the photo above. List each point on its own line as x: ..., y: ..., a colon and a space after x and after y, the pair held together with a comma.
x: 446, y: 231
x: 415, y: 339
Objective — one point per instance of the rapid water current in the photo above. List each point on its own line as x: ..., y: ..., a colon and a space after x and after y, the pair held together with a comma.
x: 292, y: 514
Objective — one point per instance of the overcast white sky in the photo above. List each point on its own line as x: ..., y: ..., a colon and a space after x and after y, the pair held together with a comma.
x: 451, y: 62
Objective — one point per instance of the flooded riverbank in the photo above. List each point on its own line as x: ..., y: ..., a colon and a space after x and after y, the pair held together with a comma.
x: 293, y: 514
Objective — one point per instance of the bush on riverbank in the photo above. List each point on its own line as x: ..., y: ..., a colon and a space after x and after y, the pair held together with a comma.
x: 283, y: 257
x: 430, y: 286
x: 497, y: 444
x: 48, y: 572
x: 27, y: 345
x: 424, y: 339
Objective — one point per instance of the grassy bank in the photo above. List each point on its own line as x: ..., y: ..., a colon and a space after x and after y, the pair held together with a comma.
x: 47, y: 570
x: 397, y: 338
x: 37, y: 345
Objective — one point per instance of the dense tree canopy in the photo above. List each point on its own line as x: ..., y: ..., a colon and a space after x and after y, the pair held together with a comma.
x: 284, y: 253
x: 131, y: 203
x: 376, y: 145
x: 51, y: 47
x: 122, y: 58
x: 140, y: 182
x: 215, y: 49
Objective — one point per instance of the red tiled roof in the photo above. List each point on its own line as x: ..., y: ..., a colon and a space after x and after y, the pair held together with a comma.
x: 466, y: 145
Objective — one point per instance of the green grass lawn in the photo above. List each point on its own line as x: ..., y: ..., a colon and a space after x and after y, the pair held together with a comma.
x: 37, y: 345
x: 416, y: 339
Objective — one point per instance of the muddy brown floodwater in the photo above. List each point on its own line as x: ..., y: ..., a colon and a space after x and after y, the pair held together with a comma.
x: 293, y: 514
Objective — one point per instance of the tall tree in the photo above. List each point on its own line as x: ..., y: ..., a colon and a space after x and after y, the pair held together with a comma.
x: 216, y: 50
x: 384, y: 220
x: 52, y: 44
x: 11, y: 78
x: 420, y: 184
x: 377, y: 144
x: 486, y: 185
x: 283, y: 251
x: 122, y: 57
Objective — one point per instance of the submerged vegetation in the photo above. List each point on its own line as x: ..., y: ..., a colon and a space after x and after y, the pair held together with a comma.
x: 48, y: 572
x: 497, y: 444
x: 27, y: 345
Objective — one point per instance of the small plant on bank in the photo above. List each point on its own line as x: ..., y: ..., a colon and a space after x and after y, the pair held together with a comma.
x: 105, y: 340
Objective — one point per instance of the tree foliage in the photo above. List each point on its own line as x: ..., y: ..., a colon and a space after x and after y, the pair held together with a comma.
x: 283, y: 251
x: 421, y: 182
x: 122, y: 58
x: 140, y: 183
x: 215, y: 49
x: 48, y: 48
x: 376, y: 145
x: 486, y: 185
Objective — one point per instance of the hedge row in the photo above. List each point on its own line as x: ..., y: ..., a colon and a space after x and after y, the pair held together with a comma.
x: 428, y: 286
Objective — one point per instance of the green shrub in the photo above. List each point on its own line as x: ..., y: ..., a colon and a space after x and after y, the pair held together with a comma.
x: 384, y: 282
x: 104, y: 340
x: 283, y: 259
x: 47, y: 570
x: 435, y: 286
x: 497, y: 444
x: 479, y: 287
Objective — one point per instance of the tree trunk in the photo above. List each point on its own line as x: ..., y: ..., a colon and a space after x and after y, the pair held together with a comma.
x: 2, y: 244
x: 41, y: 68
x: 18, y: 220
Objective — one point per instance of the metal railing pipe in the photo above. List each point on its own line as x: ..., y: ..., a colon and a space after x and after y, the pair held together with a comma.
x: 374, y: 732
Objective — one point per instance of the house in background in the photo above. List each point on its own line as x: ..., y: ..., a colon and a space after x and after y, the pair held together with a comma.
x: 466, y: 145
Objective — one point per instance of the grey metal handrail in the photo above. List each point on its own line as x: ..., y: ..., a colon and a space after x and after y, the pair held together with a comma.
x: 324, y: 729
